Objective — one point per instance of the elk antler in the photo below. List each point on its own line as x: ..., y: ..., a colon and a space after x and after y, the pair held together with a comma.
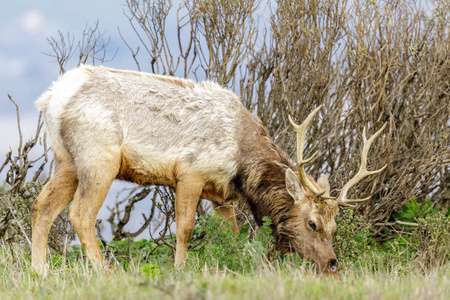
x: 363, y: 172
x: 301, y: 132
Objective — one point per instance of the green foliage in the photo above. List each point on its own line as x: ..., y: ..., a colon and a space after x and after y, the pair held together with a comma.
x: 422, y: 236
x: 144, y: 252
x: 151, y: 270
x: 264, y: 237
x: 223, y: 249
x: 352, y: 237
x: 427, y: 244
x: 413, y: 210
x: 227, y: 249
x: 432, y: 238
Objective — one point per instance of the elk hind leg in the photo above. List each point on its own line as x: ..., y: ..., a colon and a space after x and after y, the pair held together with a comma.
x: 54, y: 197
x: 228, y: 212
x: 88, y: 200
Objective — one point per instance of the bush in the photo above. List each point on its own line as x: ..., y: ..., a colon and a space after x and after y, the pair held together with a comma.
x: 432, y: 240
x: 226, y: 249
x: 353, y: 236
x: 421, y: 235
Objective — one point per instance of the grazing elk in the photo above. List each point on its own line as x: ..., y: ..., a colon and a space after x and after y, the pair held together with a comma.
x: 106, y: 124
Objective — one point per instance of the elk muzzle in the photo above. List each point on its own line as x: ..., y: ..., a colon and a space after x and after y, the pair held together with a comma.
x: 332, y: 265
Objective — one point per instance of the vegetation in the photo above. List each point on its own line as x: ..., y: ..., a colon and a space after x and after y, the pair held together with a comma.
x: 366, y: 62
x: 229, y: 266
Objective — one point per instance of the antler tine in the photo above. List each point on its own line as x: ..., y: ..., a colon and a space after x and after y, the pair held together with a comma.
x: 362, y: 172
x: 301, y: 133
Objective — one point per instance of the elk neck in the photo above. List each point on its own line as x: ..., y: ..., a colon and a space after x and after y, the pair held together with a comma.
x: 261, y: 178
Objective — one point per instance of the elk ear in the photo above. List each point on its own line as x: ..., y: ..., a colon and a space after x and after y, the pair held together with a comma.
x: 324, y: 184
x: 293, y: 186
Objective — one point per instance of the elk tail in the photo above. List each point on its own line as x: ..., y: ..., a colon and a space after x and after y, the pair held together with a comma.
x: 42, y: 101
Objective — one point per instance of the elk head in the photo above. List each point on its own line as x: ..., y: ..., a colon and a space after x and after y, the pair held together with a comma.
x: 314, y: 223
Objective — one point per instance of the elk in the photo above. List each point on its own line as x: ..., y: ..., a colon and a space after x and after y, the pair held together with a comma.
x: 106, y: 124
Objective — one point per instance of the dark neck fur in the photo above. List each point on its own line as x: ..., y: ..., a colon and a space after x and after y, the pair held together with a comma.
x: 261, y: 180
x: 262, y: 184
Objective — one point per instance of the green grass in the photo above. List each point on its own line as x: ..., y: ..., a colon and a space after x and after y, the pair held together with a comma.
x: 371, y: 276
x: 229, y: 266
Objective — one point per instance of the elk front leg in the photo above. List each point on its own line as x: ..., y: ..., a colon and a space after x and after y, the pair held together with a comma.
x: 187, y: 194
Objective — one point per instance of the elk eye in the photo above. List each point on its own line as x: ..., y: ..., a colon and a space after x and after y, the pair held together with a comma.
x: 312, y: 225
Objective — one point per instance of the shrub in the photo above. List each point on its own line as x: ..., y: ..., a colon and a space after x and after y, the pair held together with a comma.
x: 421, y: 235
x: 432, y: 239
x: 353, y: 236
x: 227, y: 249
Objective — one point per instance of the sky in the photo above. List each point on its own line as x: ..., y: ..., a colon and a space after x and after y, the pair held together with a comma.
x: 25, y: 72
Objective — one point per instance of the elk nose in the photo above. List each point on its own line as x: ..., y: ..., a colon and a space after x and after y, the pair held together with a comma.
x: 332, y: 265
